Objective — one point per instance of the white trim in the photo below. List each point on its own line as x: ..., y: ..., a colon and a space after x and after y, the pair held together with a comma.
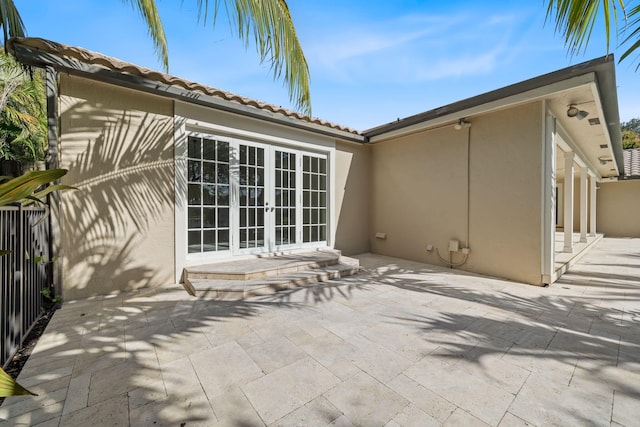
x: 603, y: 123
x: 183, y: 127
x: 548, y: 195
x: 569, y: 157
x: 249, y: 136
x: 583, y: 204
x: 592, y: 201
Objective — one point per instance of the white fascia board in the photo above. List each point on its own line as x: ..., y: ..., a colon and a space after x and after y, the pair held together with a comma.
x: 509, y: 101
x: 603, y: 124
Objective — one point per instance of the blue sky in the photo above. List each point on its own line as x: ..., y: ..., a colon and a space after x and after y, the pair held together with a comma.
x: 370, y: 62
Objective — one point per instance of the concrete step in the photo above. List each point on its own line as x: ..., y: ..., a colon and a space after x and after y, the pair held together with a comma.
x: 232, y: 289
x: 261, y: 267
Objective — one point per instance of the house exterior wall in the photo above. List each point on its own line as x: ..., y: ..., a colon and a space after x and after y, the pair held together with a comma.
x: 618, y: 204
x: 352, y: 198
x: 421, y: 194
x: 117, y: 229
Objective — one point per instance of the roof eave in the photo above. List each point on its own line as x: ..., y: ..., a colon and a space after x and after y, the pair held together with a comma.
x: 34, y: 57
x: 603, y: 68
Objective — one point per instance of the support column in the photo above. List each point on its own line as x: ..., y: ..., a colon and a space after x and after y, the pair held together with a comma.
x: 583, y: 204
x: 592, y: 202
x: 568, y: 202
x: 548, y: 197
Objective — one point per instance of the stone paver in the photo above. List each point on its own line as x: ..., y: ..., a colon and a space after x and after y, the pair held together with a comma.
x: 400, y: 344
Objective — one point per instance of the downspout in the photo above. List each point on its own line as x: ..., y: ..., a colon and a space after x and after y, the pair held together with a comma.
x: 467, y: 125
x: 466, y: 243
x: 53, y: 162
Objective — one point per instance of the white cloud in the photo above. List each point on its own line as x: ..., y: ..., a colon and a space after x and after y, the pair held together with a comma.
x: 416, y: 47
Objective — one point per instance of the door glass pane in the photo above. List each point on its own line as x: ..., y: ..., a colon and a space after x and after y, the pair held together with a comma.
x: 193, y: 150
x: 193, y: 172
x: 194, y: 241
x: 194, y: 218
x: 208, y: 241
x: 285, y: 183
x: 209, y: 195
x: 208, y: 218
x: 207, y: 203
x: 194, y: 194
x: 314, y: 208
x: 223, y: 240
x: 251, y: 204
x: 223, y: 173
x: 208, y: 172
x: 209, y: 149
x: 222, y: 152
x: 223, y: 195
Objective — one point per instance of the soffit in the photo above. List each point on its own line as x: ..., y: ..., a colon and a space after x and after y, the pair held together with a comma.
x: 590, y: 135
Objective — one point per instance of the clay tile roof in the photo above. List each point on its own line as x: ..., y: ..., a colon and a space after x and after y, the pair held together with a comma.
x: 632, y: 162
x: 114, y: 64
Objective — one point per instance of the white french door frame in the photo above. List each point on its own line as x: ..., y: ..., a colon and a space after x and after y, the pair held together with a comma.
x: 186, y: 127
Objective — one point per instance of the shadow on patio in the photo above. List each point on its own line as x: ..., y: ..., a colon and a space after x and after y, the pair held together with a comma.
x: 419, y: 339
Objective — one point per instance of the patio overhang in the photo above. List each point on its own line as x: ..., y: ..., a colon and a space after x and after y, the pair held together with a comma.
x: 590, y: 85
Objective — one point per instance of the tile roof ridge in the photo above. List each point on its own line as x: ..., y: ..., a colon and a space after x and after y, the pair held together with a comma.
x: 114, y: 64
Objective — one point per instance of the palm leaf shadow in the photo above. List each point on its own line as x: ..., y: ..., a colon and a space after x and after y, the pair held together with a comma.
x: 126, y: 186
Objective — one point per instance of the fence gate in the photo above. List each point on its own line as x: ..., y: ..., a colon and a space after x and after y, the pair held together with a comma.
x: 24, y: 273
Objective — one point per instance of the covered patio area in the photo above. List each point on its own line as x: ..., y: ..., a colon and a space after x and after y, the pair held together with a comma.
x: 565, y: 260
x: 402, y: 343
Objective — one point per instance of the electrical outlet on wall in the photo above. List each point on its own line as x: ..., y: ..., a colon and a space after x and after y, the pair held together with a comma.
x: 454, y: 246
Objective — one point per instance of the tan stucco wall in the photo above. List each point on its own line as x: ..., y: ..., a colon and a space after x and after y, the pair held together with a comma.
x: 419, y: 194
x: 352, y: 198
x: 118, y: 228
x: 618, y: 205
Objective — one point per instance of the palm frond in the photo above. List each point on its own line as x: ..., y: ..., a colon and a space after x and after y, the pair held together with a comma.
x: 11, y: 21
x: 269, y: 25
x: 632, y: 32
x: 23, y: 118
x: 149, y: 11
x: 17, y: 189
x: 8, y: 386
x: 575, y: 20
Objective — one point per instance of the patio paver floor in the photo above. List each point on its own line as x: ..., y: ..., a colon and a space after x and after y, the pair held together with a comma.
x: 400, y: 344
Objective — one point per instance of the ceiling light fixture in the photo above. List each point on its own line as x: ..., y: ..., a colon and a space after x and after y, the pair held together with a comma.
x: 574, y: 111
x: 604, y: 160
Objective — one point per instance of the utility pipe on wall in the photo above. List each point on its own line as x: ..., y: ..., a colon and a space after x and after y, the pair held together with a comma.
x: 463, y: 124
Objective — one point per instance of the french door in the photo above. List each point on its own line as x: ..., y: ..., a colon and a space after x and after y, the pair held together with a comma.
x: 248, y: 197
